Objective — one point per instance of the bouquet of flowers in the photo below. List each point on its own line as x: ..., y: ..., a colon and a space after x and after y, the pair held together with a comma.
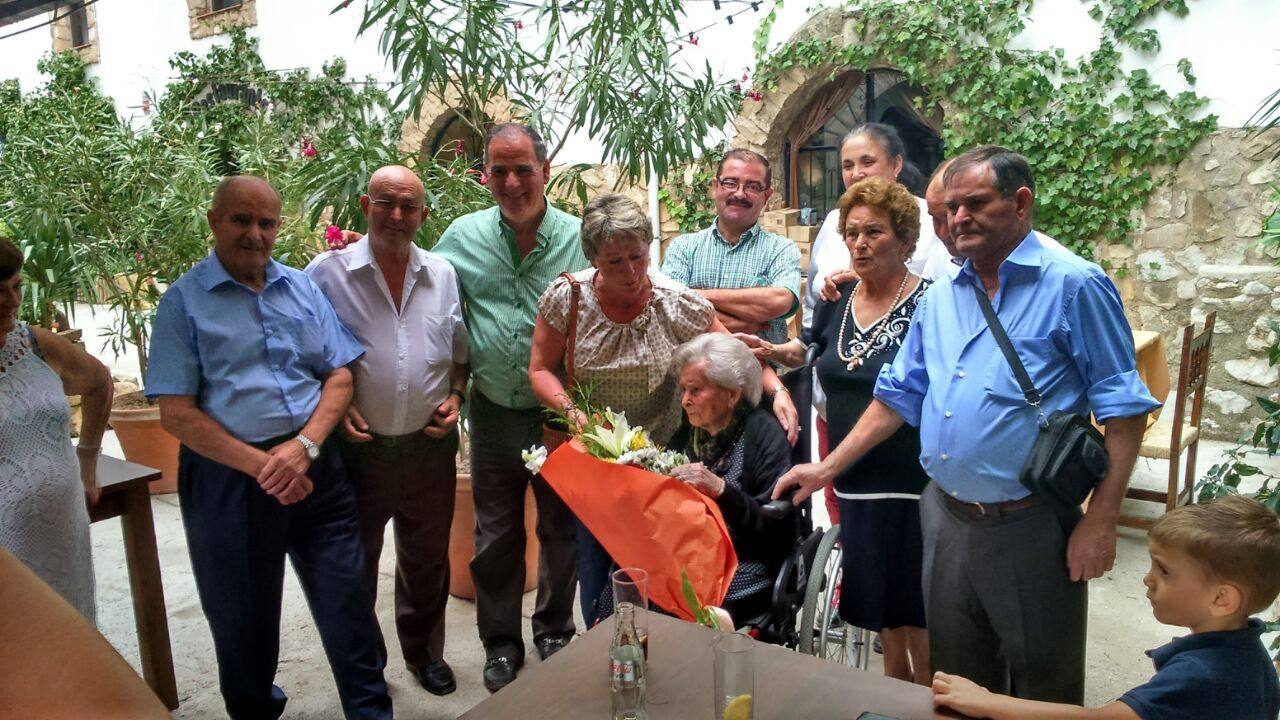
x: 608, y: 436
x: 618, y: 483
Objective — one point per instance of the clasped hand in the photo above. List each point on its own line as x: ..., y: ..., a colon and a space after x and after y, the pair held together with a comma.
x: 284, y: 474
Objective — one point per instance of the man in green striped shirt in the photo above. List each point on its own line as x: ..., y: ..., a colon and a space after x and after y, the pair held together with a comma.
x: 751, y: 275
x: 505, y: 257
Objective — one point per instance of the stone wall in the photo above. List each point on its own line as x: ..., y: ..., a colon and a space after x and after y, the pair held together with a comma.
x: 204, y: 21
x: 60, y: 32
x: 1198, y: 252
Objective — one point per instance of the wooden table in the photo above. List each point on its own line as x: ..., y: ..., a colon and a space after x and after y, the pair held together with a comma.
x: 1148, y: 347
x: 575, y: 683
x: 125, y: 495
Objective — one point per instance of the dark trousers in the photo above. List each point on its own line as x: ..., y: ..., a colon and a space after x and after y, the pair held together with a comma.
x: 238, y: 537
x: 412, y: 482
x: 498, y: 482
x: 1000, y: 602
x: 594, y: 566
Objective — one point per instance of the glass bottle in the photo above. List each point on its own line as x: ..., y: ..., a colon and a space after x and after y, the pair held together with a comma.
x: 626, y: 667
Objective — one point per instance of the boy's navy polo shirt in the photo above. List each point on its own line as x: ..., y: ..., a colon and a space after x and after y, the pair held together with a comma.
x: 1210, y: 675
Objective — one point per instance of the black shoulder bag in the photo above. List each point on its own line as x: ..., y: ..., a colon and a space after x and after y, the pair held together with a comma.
x: 1069, y: 457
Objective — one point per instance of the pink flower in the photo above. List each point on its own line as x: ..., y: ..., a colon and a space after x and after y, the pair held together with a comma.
x: 484, y: 178
x: 308, y: 150
x: 693, y: 39
x: 755, y: 95
x: 744, y: 77
x: 519, y: 25
x: 333, y: 236
x: 457, y: 146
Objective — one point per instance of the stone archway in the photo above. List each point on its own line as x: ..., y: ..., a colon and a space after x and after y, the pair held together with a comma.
x: 765, y: 125
x: 437, y: 118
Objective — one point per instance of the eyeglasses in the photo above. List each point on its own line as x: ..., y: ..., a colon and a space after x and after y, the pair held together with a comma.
x: 389, y: 205
x: 732, y: 185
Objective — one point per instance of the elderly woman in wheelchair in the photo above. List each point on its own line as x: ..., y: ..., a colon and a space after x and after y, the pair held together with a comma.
x: 737, y: 451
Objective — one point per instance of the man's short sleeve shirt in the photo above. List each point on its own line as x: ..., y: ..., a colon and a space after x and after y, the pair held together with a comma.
x: 501, y: 291
x: 1210, y: 675
x: 704, y: 260
x: 255, y: 361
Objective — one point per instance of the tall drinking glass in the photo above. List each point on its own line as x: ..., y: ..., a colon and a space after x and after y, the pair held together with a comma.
x: 735, y: 676
x: 631, y: 585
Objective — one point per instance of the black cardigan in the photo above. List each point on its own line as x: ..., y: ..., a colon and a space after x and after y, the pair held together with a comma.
x: 766, y: 456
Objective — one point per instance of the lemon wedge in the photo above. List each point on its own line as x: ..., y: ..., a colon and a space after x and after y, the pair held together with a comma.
x: 738, y: 708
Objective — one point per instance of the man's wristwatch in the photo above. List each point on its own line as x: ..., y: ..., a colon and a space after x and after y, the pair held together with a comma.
x: 313, y: 450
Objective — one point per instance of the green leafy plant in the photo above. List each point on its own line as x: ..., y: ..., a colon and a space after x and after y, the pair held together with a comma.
x: 1094, y: 131
x: 687, y: 202
x: 603, y: 68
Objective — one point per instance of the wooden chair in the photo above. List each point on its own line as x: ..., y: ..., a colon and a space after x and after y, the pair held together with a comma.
x: 1169, y: 436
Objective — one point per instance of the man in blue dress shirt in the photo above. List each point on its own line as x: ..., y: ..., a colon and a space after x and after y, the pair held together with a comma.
x: 248, y: 362
x: 1005, y: 585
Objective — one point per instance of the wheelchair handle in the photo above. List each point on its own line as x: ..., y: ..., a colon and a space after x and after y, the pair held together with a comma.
x: 779, y: 508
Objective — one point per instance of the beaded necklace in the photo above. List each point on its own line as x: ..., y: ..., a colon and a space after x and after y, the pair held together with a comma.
x: 854, y: 360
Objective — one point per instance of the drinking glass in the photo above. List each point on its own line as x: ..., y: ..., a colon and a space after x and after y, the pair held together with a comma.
x: 735, y: 676
x: 631, y: 585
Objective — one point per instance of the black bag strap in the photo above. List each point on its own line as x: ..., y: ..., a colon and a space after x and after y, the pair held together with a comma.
x: 997, y: 330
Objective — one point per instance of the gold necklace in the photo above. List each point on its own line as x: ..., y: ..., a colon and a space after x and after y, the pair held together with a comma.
x: 854, y: 360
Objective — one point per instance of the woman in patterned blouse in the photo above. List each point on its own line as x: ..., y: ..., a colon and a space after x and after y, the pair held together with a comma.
x: 879, y: 495
x: 629, y: 323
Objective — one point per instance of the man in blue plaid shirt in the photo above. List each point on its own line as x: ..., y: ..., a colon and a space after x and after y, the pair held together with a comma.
x: 752, y: 276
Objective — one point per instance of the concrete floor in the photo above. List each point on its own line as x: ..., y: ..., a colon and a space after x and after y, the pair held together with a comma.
x: 1120, y: 623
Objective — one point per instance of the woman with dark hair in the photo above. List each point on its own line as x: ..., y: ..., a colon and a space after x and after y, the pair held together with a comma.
x: 43, y: 489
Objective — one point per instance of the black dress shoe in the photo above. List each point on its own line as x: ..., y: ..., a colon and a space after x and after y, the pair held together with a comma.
x: 499, y: 671
x: 437, y: 678
x: 550, y: 644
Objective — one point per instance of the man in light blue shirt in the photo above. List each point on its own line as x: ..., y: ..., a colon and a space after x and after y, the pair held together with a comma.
x: 248, y: 363
x: 1005, y: 591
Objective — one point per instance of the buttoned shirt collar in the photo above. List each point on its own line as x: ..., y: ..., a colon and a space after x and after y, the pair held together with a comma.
x: 747, y: 235
x: 546, y: 226
x: 1028, y: 254
x: 362, y: 257
x: 214, y: 274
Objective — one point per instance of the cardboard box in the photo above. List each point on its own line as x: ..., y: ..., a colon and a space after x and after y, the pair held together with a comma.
x: 802, y: 233
x: 773, y: 228
x: 784, y: 218
x: 805, y: 250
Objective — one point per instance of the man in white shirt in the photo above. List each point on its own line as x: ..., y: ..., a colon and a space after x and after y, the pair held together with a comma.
x: 404, y: 306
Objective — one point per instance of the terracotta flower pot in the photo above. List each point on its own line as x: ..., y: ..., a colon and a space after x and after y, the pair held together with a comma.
x: 145, y: 442
x: 462, y: 542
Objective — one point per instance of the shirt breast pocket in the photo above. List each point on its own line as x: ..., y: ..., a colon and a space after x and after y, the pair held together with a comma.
x: 437, y: 340
x: 1036, y: 354
x: 306, y: 342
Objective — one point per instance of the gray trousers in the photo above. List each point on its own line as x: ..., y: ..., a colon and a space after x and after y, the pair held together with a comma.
x: 498, y: 482
x: 1000, y: 602
x: 411, y: 481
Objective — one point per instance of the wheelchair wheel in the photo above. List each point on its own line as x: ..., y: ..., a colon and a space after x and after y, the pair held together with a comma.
x: 822, y: 632
x: 822, y: 577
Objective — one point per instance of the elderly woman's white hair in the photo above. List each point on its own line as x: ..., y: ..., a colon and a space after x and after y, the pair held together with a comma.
x: 730, y: 363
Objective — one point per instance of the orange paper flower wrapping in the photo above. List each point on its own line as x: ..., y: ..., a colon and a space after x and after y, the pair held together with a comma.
x: 648, y: 521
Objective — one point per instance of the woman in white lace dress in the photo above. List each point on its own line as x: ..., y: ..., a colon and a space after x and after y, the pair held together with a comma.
x: 44, y: 521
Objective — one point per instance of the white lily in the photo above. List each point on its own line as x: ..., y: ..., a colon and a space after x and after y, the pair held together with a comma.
x: 614, y: 441
x: 534, y: 457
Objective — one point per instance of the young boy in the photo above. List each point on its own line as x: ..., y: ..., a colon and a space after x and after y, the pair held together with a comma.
x: 1212, y: 566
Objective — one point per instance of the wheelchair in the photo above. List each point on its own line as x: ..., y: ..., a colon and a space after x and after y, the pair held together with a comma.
x: 806, y: 594
x: 805, y: 597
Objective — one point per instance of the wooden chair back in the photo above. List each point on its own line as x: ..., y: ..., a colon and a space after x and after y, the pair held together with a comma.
x: 1193, y: 372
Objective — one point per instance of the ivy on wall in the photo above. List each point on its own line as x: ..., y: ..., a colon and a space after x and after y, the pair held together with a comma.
x: 1093, y: 130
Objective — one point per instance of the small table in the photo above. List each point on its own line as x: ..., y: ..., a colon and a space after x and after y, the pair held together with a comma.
x: 1148, y: 347
x: 125, y: 495
x: 575, y: 682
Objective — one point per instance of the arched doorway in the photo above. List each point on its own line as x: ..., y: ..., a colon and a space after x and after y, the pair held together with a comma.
x: 811, y: 155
